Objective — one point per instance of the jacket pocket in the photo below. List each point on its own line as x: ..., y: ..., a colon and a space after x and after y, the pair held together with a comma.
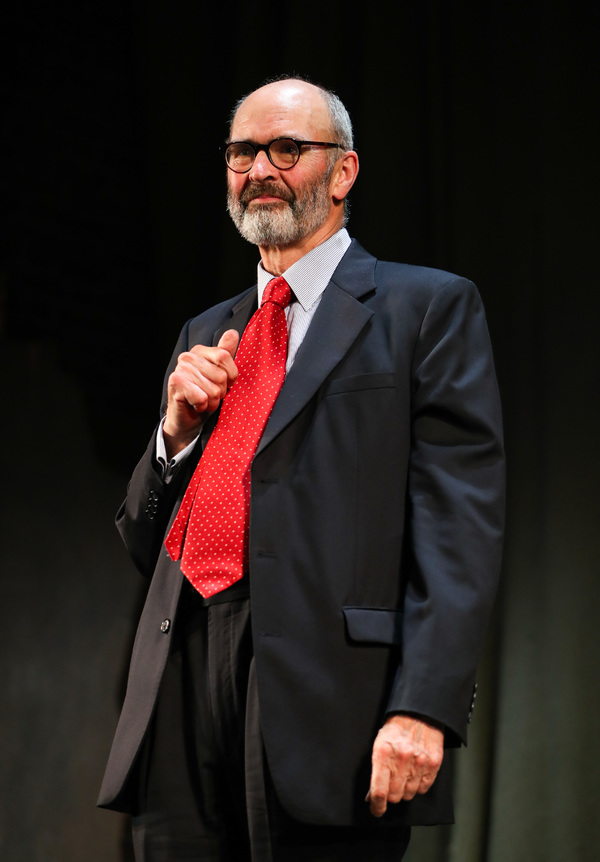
x: 375, y: 380
x: 374, y: 625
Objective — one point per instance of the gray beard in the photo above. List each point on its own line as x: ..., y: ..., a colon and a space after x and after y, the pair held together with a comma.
x: 282, y: 224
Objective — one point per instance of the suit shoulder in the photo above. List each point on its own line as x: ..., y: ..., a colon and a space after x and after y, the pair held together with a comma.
x: 395, y: 281
x: 419, y: 279
x: 420, y: 291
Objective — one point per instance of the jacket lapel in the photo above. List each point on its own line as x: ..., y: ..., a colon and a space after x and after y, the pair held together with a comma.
x: 241, y: 313
x: 337, y: 323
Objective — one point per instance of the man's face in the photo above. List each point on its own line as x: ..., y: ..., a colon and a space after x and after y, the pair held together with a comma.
x: 271, y: 207
x: 288, y: 215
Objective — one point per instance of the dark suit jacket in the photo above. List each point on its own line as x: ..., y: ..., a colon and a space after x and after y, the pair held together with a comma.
x: 375, y: 535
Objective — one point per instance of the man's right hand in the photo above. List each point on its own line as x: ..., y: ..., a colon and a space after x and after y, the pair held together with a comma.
x: 200, y: 381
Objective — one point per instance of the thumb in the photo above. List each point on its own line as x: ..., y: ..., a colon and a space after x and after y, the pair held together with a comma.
x: 229, y: 340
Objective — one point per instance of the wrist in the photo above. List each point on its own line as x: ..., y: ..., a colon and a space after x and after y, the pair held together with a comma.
x: 176, y: 440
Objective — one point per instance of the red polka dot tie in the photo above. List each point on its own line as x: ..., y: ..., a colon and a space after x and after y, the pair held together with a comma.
x: 211, y: 525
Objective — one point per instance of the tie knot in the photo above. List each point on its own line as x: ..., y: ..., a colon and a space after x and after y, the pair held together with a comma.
x: 278, y: 291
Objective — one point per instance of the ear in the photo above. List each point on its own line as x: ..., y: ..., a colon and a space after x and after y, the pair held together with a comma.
x: 344, y: 175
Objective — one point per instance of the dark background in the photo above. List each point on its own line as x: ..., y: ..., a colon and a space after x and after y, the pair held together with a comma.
x: 477, y: 128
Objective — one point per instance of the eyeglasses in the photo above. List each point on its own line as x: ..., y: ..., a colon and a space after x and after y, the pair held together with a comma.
x: 283, y: 153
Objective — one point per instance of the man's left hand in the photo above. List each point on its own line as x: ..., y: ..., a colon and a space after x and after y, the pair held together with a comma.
x: 407, y: 755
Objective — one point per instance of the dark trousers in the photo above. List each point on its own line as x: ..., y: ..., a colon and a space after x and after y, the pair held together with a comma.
x: 204, y: 790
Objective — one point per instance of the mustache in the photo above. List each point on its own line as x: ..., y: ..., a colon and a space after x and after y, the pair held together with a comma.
x: 257, y: 190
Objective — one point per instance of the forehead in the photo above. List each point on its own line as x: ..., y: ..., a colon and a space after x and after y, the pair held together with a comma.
x: 284, y: 108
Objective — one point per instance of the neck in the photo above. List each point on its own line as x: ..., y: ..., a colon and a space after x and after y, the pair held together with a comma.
x: 277, y: 259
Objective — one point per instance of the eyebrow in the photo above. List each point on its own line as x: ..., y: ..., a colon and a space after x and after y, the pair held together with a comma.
x: 260, y: 144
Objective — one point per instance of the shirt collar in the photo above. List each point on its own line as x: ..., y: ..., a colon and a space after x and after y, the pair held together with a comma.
x: 310, y: 275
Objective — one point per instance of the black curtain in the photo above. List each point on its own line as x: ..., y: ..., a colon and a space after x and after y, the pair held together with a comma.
x: 477, y: 129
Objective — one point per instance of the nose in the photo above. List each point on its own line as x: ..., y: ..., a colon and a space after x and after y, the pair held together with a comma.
x: 262, y: 168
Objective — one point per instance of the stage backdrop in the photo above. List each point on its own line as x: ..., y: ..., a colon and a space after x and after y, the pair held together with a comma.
x: 477, y: 129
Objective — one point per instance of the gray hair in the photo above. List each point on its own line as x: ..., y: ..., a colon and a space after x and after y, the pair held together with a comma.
x: 341, y: 125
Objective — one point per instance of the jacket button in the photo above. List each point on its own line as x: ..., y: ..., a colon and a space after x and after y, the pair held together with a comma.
x: 165, y: 626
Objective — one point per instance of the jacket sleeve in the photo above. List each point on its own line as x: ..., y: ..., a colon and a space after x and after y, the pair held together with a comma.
x: 146, y: 512
x: 456, y: 509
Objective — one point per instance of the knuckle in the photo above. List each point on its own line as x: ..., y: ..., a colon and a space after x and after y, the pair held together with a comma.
x: 379, y: 747
x: 212, y: 390
x: 188, y: 356
x: 195, y: 350
x: 220, y: 376
x: 222, y: 356
x: 402, y: 753
x: 176, y: 380
x: 183, y: 369
x: 435, y: 761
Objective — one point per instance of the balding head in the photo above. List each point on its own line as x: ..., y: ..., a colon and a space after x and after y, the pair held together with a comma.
x: 297, y: 91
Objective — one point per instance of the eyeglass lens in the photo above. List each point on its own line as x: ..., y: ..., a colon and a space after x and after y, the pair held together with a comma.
x: 283, y: 153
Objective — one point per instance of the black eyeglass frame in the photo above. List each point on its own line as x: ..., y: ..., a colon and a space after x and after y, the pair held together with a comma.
x: 257, y: 148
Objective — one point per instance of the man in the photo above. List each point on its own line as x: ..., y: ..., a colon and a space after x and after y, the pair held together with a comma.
x: 322, y: 576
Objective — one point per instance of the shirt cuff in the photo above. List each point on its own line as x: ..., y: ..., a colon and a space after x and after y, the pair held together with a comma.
x: 169, y: 468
